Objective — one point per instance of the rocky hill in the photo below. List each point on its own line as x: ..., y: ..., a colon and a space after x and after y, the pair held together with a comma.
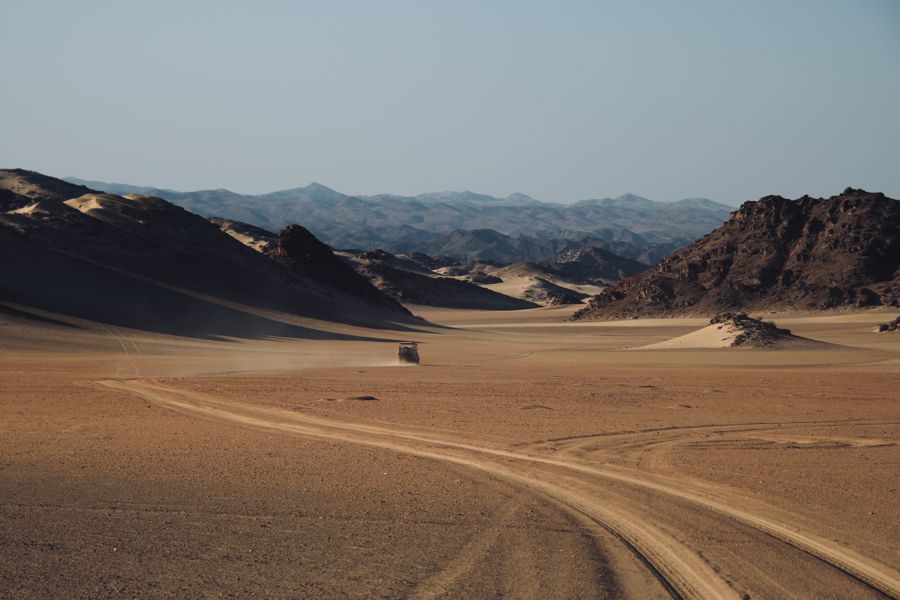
x: 774, y: 253
x: 19, y: 188
x: 145, y: 263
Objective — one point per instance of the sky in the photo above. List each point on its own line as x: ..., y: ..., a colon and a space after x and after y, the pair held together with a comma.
x: 560, y: 100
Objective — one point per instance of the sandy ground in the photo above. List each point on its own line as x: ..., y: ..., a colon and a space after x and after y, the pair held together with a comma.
x: 526, y: 457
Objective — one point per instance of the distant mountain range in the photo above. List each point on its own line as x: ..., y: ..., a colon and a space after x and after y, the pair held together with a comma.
x: 428, y: 222
x: 774, y: 254
x: 492, y: 246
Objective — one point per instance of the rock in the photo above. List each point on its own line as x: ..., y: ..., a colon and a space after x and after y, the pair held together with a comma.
x: 753, y: 332
x: 774, y: 253
x: 484, y: 278
x: 890, y: 326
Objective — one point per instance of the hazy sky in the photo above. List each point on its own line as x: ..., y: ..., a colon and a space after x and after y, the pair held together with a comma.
x: 558, y: 100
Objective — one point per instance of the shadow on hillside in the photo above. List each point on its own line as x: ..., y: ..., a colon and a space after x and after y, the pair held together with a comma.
x: 60, y: 284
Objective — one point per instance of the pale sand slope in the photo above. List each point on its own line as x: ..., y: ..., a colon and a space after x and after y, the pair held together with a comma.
x: 520, y: 286
x: 253, y: 237
x: 728, y: 335
x: 720, y: 335
x: 248, y: 240
x: 497, y: 468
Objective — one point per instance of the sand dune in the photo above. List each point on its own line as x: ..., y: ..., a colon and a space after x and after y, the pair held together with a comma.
x: 731, y: 332
x: 542, y: 285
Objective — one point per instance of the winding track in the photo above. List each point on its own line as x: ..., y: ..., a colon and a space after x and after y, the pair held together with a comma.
x: 580, y: 486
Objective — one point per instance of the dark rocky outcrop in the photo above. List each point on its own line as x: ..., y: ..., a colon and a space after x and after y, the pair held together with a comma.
x: 774, y: 253
x: 754, y: 333
x: 890, y: 326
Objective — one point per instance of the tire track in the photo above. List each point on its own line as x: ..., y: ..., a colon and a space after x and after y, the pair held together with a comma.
x: 711, y: 427
x: 682, y: 572
x: 124, y: 342
x: 443, y: 581
x: 686, y: 574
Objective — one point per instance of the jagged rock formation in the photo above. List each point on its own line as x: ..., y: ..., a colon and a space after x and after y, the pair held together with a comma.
x: 774, y: 253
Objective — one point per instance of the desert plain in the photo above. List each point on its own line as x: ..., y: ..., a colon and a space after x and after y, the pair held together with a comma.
x: 526, y: 457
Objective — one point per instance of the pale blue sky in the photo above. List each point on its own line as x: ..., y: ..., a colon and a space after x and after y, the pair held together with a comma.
x: 729, y: 100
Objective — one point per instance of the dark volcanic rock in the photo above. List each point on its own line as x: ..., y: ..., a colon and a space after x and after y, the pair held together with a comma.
x: 774, y: 253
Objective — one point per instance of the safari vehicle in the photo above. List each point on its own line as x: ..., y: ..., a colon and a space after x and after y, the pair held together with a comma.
x: 408, y: 352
